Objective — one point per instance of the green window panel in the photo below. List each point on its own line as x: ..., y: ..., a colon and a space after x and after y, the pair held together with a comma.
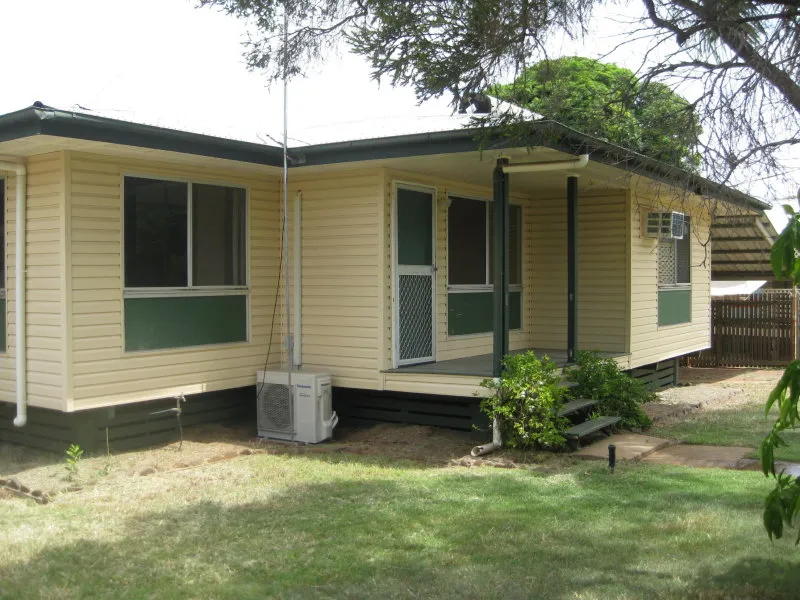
x: 179, y: 322
x: 472, y: 312
x: 414, y: 227
x: 674, y: 306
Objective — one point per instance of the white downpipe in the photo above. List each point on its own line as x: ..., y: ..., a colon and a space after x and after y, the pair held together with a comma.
x: 19, y: 250
x: 554, y: 165
x: 496, y: 444
x: 298, y: 282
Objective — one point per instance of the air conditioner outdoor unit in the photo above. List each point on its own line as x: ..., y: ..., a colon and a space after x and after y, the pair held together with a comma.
x: 302, y: 413
x: 663, y: 225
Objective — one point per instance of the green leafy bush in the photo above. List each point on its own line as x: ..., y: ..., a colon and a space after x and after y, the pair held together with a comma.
x: 618, y: 394
x: 525, y: 402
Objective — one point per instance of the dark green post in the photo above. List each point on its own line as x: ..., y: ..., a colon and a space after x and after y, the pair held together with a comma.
x: 500, y: 266
x: 572, y: 268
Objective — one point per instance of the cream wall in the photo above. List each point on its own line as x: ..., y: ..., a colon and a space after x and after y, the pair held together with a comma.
x: 102, y: 373
x: 75, y: 296
x: 45, y: 285
x: 342, y: 274
x: 602, y: 272
x: 650, y: 342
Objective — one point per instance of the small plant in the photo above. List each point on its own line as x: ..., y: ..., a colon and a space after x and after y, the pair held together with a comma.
x: 525, y: 402
x: 74, y: 454
x: 618, y: 394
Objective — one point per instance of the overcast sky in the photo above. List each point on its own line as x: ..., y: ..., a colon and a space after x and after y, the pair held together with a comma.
x: 165, y: 62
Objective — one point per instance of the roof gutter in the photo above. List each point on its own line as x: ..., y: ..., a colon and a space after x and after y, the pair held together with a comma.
x: 21, y: 173
x: 552, y: 165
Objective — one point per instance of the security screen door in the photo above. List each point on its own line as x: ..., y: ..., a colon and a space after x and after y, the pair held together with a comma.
x: 414, y: 276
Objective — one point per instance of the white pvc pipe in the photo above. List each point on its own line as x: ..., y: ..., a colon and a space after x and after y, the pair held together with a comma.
x: 496, y: 444
x: 553, y: 165
x: 298, y: 282
x: 20, y: 243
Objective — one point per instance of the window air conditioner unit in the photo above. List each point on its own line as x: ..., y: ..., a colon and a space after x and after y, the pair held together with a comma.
x: 300, y: 413
x: 663, y: 225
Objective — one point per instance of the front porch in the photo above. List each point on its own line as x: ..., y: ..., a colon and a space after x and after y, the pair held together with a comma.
x: 481, y: 365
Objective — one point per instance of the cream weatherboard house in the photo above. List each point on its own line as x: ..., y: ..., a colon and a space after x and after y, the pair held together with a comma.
x: 151, y: 267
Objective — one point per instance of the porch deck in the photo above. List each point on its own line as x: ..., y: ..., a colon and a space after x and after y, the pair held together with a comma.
x: 481, y: 364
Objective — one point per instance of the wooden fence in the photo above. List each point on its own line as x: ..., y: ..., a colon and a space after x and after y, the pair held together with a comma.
x: 751, y: 331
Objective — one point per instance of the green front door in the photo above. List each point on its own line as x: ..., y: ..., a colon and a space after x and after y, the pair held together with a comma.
x: 414, y: 276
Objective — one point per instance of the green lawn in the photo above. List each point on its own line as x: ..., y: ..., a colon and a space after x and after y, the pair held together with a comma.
x: 743, y: 425
x: 352, y: 527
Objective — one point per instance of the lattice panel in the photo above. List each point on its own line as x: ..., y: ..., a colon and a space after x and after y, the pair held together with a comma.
x: 416, y: 317
x: 666, y: 262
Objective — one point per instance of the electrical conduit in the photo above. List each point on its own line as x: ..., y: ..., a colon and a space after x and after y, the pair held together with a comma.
x: 21, y: 174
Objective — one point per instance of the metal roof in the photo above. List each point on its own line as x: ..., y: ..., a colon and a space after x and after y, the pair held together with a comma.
x: 741, y: 246
x: 40, y: 119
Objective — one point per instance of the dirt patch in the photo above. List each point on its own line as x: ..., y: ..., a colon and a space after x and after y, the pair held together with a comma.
x: 711, y: 389
x: 205, y: 445
x: 213, y: 444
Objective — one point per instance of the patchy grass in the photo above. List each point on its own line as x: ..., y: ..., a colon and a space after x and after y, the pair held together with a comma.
x: 740, y: 425
x: 345, y: 526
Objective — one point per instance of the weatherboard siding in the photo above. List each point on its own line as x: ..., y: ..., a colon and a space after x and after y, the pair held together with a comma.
x: 341, y: 271
x: 650, y: 342
x: 103, y: 373
x: 602, y: 273
x: 45, y: 333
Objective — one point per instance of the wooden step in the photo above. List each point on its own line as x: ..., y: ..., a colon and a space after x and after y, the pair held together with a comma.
x: 570, y: 408
x: 576, y: 433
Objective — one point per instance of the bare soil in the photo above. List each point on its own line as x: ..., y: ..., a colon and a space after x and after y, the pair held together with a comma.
x: 702, y: 389
x: 711, y: 389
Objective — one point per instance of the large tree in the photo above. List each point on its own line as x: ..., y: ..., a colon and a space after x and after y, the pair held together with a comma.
x: 608, y: 102
x: 743, y: 56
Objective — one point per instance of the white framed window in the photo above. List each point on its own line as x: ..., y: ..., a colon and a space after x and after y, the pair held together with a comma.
x: 470, y: 269
x: 181, y: 235
x: 184, y: 264
x: 675, y: 260
x: 470, y: 254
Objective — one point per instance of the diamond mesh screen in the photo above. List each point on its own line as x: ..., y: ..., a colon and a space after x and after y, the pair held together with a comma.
x: 666, y: 262
x: 275, y: 408
x: 416, y: 318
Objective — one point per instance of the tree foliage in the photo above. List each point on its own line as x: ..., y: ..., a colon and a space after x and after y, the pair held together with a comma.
x: 783, y: 503
x: 608, y: 102
x: 743, y: 55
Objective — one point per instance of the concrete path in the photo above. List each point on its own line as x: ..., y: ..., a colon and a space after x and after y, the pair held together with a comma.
x: 630, y: 446
x: 723, y: 457
x: 659, y: 451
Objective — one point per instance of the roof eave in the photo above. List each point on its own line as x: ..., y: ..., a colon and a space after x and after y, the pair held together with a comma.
x: 34, y: 121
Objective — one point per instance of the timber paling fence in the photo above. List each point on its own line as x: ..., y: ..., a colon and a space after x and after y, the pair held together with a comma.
x: 751, y: 331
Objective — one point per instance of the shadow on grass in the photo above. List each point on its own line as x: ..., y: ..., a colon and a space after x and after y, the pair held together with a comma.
x: 15, y: 459
x: 643, y: 532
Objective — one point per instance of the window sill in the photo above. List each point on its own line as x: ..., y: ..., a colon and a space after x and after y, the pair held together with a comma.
x: 472, y: 289
x: 184, y: 292
x: 677, y: 286
x: 483, y: 334
x: 188, y: 349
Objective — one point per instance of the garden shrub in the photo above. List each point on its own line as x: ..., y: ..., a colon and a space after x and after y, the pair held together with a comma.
x: 525, y: 402
x: 618, y: 394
